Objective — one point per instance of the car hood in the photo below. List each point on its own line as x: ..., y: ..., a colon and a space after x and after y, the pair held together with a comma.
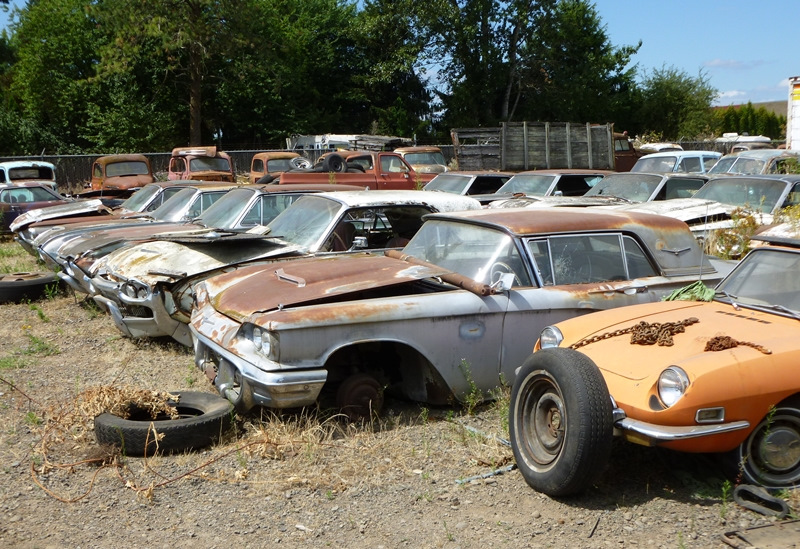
x: 174, y: 259
x: 260, y: 288
x: 93, y: 241
x: 685, y: 209
x: 61, y: 210
x: 129, y: 181
x: 617, y: 357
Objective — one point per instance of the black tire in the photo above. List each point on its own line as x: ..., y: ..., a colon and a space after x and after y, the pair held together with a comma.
x: 204, y: 418
x: 769, y: 456
x: 334, y: 163
x: 560, y: 421
x: 15, y: 287
x: 265, y: 179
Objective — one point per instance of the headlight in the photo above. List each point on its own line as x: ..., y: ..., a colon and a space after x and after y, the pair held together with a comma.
x: 672, y: 384
x: 550, y: 337
x: 262, y: 339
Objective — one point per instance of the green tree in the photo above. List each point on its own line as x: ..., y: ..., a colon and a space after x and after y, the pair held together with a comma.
x: 676, y: 105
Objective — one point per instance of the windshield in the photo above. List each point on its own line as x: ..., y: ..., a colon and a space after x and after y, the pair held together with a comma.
x: 33, y: 172
x: 754, y: 194
x: 532, y: 185
x: 633, y: 187
x: 766, y: 277
x: 480, y: 253
x: 421, y: 158
x: 306, y: 221
x: 29, y: 194
x: 226, y: 211
x: 275, y: 165
x: 449, y: 183
x: 126, y: 168
x: 656, y: 164
x: 138, y: 200
x: 205, y: 163
x: 175, y: 209
x: 737, y: 164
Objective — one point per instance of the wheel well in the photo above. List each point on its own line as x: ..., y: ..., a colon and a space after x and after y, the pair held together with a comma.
x: 400, y: 368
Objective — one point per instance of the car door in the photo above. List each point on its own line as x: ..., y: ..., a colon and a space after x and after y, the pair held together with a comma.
x: 575, y: 275
x: 394, y: 173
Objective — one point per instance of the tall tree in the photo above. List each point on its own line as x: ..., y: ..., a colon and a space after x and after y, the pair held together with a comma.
x: 675, y: 104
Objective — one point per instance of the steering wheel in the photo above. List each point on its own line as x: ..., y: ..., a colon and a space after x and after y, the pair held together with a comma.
x: 498, y: 269
x: 584, y: 270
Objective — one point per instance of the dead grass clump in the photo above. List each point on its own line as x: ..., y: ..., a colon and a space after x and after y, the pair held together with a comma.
x: 126, y: 401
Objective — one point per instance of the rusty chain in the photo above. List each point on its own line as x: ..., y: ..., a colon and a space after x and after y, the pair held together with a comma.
x: 644, y: 333
x: 720, y: 343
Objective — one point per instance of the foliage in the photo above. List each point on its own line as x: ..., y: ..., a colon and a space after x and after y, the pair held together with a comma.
x: 749, y: 120
x: 675, y: 104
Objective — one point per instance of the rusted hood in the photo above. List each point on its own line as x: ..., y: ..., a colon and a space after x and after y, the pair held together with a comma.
x: 128, y: 181
x: 523, y: 201
x: 252, y: 289
x: 61, y: 210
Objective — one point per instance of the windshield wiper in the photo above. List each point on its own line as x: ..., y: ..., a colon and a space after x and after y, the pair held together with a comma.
x: 730, y: 297
x: 786, y: 310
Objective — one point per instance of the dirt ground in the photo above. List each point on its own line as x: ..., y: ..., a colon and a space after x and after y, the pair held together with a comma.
x: 411, y: 479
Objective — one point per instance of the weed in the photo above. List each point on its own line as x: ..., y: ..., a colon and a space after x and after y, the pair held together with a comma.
x: 40, y: 347
x: 726, y: 494
x: 329, y: 494
x: 474, y: 396
x: 12, y: 363
x: 734, y: 242
x: 423, y: 415
x: 191, y: 376
x: 32, y: 419
x: 43, y: 317
x: 91, y: 308
x: 51, y: 291
x: 450, y: 536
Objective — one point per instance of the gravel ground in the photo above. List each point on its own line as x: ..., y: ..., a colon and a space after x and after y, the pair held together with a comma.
x: 301, y: 480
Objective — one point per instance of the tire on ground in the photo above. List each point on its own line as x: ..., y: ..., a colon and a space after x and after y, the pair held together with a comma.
x: 15, y: 287
x: 560, y: 421
x: 204, y: 418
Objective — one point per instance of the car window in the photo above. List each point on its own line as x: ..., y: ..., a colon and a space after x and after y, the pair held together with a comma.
x: 709, y: 161
x: 679, y: 188
x: 691, y: 164
x: 576, y: 185
x: 582, y: 259
x: 486, y: 185
x: 258, y: 165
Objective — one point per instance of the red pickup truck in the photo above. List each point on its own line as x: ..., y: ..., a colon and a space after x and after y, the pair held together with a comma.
x: 376, y: 170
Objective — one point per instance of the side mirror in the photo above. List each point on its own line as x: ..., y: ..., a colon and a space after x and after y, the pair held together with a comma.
x: 504, y: 283
x: 360, y: 243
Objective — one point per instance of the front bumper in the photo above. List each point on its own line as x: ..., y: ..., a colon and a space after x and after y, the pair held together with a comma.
x: 152, y: 319
x: 650, y: 434
x: 246, y: 384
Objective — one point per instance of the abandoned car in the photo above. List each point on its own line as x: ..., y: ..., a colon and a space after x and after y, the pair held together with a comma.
x: 715, y: 376
x: 562, y: 182
x: 240, y: 209
x: 468, y: 183
x: 677, y: 161
x: 15, y: 172
x: 200, y: 163
x: 617, y: 189
x: 270, y: 163
x: 757, y: 161
x: 147, y: 288
x: 452, y: 314
x: 16, y: 199
x: 121, y: 172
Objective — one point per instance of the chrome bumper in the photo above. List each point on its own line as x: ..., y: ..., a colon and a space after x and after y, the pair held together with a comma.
x: 669, y: 433
x: 247, y: 385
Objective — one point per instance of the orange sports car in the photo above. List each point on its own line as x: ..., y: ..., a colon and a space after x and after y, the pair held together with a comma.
x: 694, y: 376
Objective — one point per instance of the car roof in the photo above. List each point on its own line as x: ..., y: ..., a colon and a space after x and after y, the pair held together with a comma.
x: 565, y: 171
x: 11, y: 164
x: 440, y: 201
x: 521, y: 221
x: 309, y: 187
x: 764, y: 154
x: 112, y: 158
x: 785, y: 177
x: 682, y: 154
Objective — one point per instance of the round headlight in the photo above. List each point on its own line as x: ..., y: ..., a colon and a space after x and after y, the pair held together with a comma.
x: 129, y: 290
x: 672, y: 384
x: 550, y: 337
x: 141, y: 293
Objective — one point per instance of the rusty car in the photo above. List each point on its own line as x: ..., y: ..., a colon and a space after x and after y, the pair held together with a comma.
x: 709, y: 376
x: 271, y: 163
x: 756, y: 161
x: 450, y: 315
x: 147, y: 288
x: 14, y: 172
x: 550, y: 182
x: 200, y: 163
x: 424, y: 158
x: 121, y: 172
x: 241, y: 208
x: 677, y: 161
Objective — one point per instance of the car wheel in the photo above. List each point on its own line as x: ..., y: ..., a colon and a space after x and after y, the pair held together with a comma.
x: 770, y: 456
x: 203, y: 419
x: 334, y: 163
x: 360, y: 396
x: 15, y: 287
x: 560, y: 421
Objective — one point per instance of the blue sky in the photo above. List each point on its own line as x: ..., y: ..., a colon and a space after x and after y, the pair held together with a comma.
x: 747, y: 49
